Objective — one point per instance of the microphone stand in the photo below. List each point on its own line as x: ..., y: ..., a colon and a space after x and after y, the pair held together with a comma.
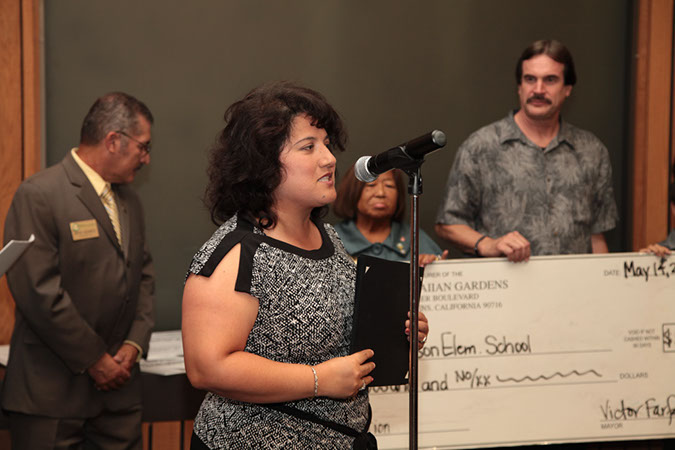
x: 415, y: 190
x: 408, y: 157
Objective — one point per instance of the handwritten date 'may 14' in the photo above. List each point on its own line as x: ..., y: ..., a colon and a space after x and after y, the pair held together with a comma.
x: 660, y: 268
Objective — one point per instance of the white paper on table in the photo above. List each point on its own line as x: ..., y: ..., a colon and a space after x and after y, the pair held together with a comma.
x: 4, y: 354
x: 165, y: 356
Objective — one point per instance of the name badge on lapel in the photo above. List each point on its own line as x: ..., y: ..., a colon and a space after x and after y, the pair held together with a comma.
x: 84, y: 229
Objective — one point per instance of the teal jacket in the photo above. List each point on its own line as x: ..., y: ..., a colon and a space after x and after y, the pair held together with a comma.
x: 395, y: 248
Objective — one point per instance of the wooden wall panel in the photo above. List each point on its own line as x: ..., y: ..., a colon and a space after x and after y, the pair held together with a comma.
x: 20, y: 120
x: 652, y: 121
x: 671, y: 224
x: 11, y: 130
x: 145, y: 429
x: 32, y: 121
x: 187, y: 433
x: 173, y: 435
x: 12, y: 136
x: 166, y: 436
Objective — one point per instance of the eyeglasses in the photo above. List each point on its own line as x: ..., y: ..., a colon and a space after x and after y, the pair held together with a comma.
x: 144, y: 146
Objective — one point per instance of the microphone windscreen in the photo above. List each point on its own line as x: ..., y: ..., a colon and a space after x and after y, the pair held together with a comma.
x: 361, y: 170
x: 439, y: 138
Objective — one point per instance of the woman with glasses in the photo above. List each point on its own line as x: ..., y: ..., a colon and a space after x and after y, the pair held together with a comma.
x: 373, y: 222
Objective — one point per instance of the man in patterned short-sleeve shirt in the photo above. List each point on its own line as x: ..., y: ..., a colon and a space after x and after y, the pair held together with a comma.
x: 531, y: 184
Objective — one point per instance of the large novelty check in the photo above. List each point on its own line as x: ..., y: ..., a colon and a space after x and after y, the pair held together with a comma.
x: 558, y: 349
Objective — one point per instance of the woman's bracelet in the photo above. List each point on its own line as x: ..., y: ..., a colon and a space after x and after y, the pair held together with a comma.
x: 475, y: 246
x: 316, y: 381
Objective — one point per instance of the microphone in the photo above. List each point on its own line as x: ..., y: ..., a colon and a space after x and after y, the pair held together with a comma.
x: 403, y: 156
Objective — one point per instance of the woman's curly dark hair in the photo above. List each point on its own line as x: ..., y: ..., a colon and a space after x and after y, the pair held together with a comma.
x: 244, y: 168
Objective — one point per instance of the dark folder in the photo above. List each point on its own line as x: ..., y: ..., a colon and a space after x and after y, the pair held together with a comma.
x: 380, y: 311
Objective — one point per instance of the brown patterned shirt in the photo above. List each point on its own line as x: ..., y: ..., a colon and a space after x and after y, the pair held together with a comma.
x: 556, y: 197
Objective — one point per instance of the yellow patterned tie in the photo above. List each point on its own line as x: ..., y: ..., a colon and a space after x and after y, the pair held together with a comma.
x: 111, y: 209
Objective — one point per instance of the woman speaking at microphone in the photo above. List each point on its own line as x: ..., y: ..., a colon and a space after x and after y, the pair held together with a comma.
x: 268, y: 303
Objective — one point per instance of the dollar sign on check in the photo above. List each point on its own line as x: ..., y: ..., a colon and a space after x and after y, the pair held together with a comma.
x: 667, y: 340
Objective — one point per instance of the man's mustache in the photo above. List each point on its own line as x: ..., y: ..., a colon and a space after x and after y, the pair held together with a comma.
x: 538, y: 97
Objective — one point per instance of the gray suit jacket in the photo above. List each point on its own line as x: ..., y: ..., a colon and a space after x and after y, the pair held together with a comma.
x: 75, y: 298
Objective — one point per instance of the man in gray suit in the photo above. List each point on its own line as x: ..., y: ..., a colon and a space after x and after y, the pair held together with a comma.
x: 83, y: 291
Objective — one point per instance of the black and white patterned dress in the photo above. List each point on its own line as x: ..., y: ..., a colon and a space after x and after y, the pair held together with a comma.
x: 305, y: 317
